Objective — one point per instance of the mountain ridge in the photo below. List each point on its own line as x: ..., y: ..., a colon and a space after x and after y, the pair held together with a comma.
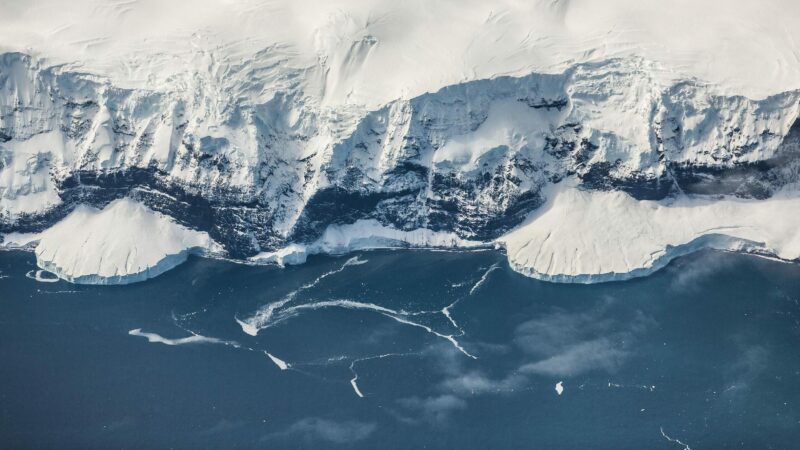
x: 266, y: 139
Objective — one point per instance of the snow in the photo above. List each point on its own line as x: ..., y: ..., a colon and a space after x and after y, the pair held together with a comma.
x: 248, y: 328
x: 594, y: 236
x: 374, y: 51
x: 578, y: 236
x: 585, y: 236
x: 25, y: 184
x: 240, y: 106
x: 355, y: 386
x: 123, y: 243
x: 39, y: 275
x: 18, y: 240
x: 363, y: 235
x: 290, y: 94
x: 510, y: 123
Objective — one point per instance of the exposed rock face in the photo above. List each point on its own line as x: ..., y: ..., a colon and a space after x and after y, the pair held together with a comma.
x: 260, y: 171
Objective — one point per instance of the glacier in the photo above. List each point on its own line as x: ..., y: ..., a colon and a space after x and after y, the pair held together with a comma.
x: 590, y: 236
x: 590, y: 142
x: 124, y: 243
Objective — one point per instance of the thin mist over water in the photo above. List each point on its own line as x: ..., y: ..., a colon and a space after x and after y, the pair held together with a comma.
x: 403, y: 349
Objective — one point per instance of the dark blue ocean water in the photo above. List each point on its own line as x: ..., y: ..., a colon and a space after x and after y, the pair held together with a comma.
x: 704, y: 352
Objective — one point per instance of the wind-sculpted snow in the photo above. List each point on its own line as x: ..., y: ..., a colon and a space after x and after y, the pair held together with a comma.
x: 356, y: 52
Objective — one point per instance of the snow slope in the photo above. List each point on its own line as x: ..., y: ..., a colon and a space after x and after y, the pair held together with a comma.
x: 370, y: 52
x: 281, y: 128
x: 123, y: 243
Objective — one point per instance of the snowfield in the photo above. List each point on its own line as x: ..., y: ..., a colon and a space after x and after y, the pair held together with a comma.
x: 373, y: 51
x: 592, y: 140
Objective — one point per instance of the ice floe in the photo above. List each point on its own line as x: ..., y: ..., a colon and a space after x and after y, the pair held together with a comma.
x: 39, y: 275
x: 283, y: 365
x: 193, y: 339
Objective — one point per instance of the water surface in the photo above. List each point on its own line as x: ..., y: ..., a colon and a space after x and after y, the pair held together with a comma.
x: 704, y: 352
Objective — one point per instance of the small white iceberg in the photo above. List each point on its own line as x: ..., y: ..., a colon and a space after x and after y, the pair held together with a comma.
x: 278, y: 362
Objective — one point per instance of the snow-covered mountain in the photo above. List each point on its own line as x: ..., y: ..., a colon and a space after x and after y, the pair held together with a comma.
x: 592, y: 140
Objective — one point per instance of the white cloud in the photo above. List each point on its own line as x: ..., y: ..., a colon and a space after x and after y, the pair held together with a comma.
x: 435, y: 409
x: 603, y: 353
x: 570, y: 343
x: 691, y: 271
x: 475, y: 382
x: 317, y: 429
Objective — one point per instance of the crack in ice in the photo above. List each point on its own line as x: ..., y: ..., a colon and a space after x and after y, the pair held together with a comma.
x: 646, y: 387
x: 193, y: 339
x: 353, y: 381
x: 198, y: 338
x: 448, y: 337
x: 484, y: 278
x: 677, y: 441
x: 277, y: 312
x: 446, y: 310
x: 263, y: 317
x: 291, y: 312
